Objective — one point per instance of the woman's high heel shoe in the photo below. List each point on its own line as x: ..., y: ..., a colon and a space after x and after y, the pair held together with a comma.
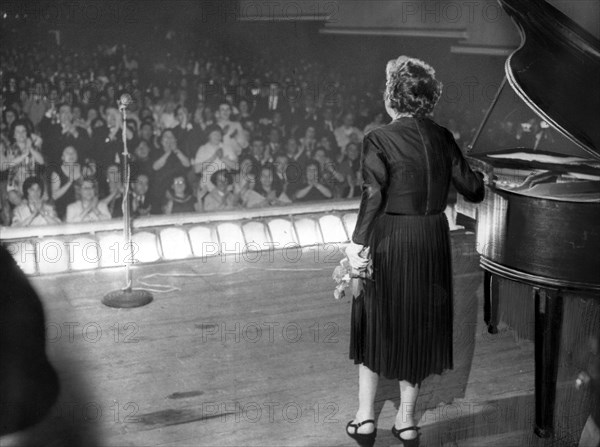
x: 363, y: 439
x: 407, y: 442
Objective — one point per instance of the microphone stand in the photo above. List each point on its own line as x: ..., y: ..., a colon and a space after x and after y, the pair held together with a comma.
x: 127, y: 297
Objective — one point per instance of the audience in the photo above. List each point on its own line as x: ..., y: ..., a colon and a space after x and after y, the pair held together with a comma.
x: 34, y: 210
x: 205, y: 131
x: 179, y: 199
x: 87, y: 208
x: 312, y: 188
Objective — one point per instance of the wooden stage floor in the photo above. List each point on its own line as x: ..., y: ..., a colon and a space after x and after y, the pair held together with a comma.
x: 255, y: 352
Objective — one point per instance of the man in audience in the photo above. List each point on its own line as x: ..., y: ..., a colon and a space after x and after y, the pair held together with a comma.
x: 58, y: 131
x: 141, y: 205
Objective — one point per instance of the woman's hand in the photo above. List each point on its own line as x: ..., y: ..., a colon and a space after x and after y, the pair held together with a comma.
x: 355, y: 259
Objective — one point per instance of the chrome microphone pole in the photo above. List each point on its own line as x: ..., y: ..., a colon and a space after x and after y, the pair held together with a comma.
x: 126, y: 297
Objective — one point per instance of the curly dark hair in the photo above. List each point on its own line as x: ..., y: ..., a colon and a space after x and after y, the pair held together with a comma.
x: 29, y: 182
x: 411, y: 86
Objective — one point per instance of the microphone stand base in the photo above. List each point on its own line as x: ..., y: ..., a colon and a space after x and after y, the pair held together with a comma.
x: 127, y: 298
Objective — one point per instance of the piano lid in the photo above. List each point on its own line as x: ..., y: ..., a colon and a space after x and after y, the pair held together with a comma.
x: 556, y: 73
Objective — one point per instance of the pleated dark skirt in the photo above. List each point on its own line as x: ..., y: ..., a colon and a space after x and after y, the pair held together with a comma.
x: 401, y: 325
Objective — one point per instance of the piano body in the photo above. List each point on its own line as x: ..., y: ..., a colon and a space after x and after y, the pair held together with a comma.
x: 539, y: 225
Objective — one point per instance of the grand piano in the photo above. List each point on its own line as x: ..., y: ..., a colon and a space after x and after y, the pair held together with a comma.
x: 538, y: 230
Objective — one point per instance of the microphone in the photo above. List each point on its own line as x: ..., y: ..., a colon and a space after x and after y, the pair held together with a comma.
x: 124, y: 101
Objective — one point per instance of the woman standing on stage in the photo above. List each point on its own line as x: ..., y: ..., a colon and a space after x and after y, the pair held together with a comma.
x: 402, y: 329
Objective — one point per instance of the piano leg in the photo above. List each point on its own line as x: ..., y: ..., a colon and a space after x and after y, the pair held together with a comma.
x: 548, y: 321
x: 490, y: 302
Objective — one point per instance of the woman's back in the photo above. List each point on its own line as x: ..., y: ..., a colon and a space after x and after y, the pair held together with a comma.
x: 415, y: 160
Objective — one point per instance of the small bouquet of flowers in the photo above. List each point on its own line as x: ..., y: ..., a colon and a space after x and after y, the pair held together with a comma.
x: 347, y: 277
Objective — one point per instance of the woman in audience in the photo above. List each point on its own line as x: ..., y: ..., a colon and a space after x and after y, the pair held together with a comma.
x: 308, y: 143
x: 244, y: 109
x: 233, y: 136
x: 313, y: 189
x: 248, y: 197
x: 173, y: 162
x: 62, y: 181
x: 34, y: 210
x: 21, y: 159
x: 221, y: 197
x: 270, y: 188
x: 179, y: 198
x: 142, y: 159
x: 88, y: 208
x: 147, y: 135
x: 209, y: 159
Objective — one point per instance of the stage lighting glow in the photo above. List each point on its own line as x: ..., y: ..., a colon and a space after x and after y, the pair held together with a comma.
x: 308, y: 231
x: 113, y: 250
x: 146, y: 247
x: 175, y: 244
x: 257, y: 237
x: 332, y: 229
x: 231, y: 237
x: 204, y: 241
x: 282, y: 233
x: 53, y: 256
x: 85, y: 254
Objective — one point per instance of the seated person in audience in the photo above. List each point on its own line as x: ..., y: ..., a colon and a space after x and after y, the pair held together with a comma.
x: 274, y: 141
x: 148, y: 135
x: 294, y: 171
x: 344, y: 132
x: 233, y: 137
x: 20, y: 160
x: 221, y: 197
x: 142, y: 159
x: 114, y: 191
x: 179, y: 197
x: 281, y: 164
x: 209, y: 159
x: 270, y: 188
x: 332, y: 178
x: 63, y: 181
x: 247, y: 165
x: 34, y: 210
x: 248, y: 197
x: 171, y: 163
x: 88, y: 208
x: 312, y: 189
x: 189, y: 137
x: 331, y: 149
x: 140, y: 200
x: 59, y: 131
x: 308, y: 143
x: 244, y: 110
x: 350, y: 168
x: 260, y: 154
x: 108, y: 140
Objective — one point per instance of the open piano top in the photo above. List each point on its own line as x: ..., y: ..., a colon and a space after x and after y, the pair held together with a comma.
x: 541, y: 135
